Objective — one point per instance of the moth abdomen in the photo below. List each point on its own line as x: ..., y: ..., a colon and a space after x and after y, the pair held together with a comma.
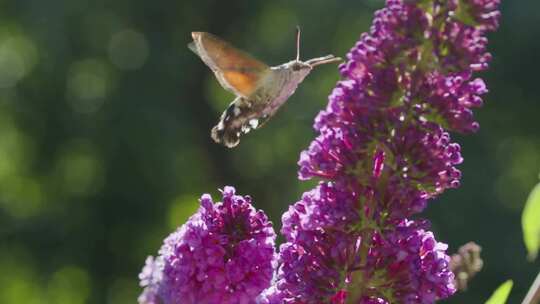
x: 230, y: 126
x: 227, y: 137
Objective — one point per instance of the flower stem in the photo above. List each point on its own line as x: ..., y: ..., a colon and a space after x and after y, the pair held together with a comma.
x: 533, y: 296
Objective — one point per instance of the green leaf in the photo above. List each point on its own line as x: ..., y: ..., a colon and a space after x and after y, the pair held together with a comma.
x: 462, y: 14
x: 530, y: 221
x: 501, y: 294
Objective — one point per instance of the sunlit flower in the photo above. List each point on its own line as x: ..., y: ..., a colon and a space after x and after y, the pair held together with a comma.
x: 223, y: 254
x: 383, y: 153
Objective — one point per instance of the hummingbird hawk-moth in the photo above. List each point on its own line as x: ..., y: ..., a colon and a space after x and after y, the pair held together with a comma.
x: 260, y: 89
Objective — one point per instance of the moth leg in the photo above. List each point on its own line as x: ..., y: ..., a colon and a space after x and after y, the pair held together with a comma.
x: 261, y: 121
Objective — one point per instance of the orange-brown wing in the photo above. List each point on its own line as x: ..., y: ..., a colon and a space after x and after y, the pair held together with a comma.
x: 234, y: 69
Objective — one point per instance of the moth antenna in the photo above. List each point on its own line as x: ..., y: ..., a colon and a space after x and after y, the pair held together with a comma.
x: 297, y: 43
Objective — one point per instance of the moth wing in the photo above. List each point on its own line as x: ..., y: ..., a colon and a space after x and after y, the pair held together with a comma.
x: 193, y: 48
x: 235, y: 70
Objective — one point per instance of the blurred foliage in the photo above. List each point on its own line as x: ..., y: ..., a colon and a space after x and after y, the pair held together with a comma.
x: 530, y: 221
x: 104, y: 136
x: 500, y: 295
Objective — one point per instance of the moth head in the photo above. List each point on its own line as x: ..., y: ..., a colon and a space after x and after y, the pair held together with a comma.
x: 299, y: 66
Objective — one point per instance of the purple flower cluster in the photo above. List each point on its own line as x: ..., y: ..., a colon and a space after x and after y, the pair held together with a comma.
x: 416, y: 262
x: 335, y: 252
x: 223, y: 254
x: 382, y: 152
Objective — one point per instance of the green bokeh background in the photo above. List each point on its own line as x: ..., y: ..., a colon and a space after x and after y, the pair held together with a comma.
x: 104, y: 136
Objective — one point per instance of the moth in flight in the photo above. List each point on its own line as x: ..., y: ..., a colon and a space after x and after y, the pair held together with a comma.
x: 260, y: 89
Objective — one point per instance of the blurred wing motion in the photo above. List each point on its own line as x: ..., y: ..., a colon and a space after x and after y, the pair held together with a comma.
x: 235, y: 70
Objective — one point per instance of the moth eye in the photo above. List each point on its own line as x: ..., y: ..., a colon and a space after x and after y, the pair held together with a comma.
x: 296, y: 67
